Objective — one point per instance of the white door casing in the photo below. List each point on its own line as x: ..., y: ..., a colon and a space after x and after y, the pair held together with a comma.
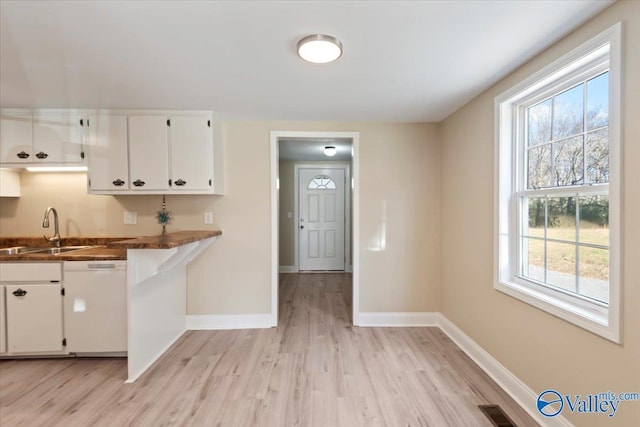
x: 354, y: 178
x: 321, y: 222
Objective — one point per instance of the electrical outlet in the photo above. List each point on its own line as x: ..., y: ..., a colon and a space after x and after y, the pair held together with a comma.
x: 130, y: 217
x: 208, y: 217
x: 289, y: 215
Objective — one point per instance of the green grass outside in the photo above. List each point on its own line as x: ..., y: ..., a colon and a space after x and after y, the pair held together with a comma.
x: 594, y: 263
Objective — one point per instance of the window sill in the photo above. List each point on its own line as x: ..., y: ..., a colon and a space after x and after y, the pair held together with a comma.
x: 590, y: 316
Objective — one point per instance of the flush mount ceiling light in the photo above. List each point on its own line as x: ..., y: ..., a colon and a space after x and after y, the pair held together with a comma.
x: 330, y: 150
x: 319, y: 48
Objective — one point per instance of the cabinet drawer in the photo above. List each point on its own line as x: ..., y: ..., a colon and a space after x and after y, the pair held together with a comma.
x: 31, y: 272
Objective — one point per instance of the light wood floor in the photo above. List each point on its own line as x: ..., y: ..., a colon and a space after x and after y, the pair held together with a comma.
x: 314, y: 369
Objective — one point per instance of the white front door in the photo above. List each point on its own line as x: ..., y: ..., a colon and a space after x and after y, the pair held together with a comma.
x: 322, y: 218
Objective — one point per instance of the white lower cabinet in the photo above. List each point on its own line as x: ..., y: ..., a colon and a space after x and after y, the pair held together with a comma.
x: 34, y: 318
x: 3, y: 323
x: 33, y: 308
x: 95, y: 306
x: 42, y: 314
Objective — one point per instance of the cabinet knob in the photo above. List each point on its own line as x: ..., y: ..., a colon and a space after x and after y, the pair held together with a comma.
x: 180, y: 182
x: 19, y: 292
x: 138, y: 183
x: 118, y: 182
x: 23, y: 155
x: 42, y: 155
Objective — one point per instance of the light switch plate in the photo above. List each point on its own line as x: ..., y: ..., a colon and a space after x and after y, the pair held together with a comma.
x: 208, y: 217
x: 130, y: 217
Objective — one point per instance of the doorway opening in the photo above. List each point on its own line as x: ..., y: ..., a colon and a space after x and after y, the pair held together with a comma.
x: 314, y: 207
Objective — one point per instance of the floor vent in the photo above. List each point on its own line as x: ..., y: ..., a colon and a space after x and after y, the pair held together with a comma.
x: 497, y: 416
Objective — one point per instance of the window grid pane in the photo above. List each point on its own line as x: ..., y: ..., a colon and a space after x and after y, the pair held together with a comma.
x: 566, y: 137
x: 321, y: 182
x: 564, y: 240
x: 564, y: 243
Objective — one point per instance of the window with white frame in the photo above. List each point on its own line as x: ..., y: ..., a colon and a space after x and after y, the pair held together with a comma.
x: 558, y: 187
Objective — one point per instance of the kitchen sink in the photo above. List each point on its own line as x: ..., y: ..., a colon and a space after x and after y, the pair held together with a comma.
x: 19, y: 250
x: 60, y: 250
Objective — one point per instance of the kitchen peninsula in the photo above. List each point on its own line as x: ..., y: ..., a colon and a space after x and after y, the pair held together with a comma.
x: 143, y: 316
x: 157, y: 292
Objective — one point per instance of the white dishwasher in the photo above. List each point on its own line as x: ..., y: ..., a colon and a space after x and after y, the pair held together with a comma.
x: 95, y: 307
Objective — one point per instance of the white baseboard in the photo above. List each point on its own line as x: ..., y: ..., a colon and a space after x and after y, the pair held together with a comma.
x: 229, y: 321
x: 288, y: 269
x: 514, y: 387
x: 398, y: 319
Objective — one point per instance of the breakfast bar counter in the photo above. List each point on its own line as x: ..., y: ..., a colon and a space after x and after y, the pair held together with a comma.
x: 157, y: 292
x: 165, y: 241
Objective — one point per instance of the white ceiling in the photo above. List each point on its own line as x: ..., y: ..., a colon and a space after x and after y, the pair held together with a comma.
x: 404, y: 61
x: 312, y: 149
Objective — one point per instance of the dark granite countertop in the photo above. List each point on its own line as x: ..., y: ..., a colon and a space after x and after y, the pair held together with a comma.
x: 165, y: 241
x: 103, y: 248
x: 98, y: 252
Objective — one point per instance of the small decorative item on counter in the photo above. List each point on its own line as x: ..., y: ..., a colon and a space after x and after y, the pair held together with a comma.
x: 164, y: 216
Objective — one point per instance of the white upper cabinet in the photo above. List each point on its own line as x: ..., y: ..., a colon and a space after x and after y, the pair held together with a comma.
x: 191, y: 143
x: 166, y: 152
x: 107, y: 153
x: 127, y: 151
x: 41, y: 137
x: 58, y: 137
x: 16, y: 138
x: 149, y: 152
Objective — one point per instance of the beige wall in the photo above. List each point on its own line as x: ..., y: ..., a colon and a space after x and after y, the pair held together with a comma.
x: 543, y: 351
x: 286, y: 200
x: 399, y: 169
x: 399, y: 200
x: 86, y: 215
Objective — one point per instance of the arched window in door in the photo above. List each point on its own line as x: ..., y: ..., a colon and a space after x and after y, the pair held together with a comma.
x: 321, y: 182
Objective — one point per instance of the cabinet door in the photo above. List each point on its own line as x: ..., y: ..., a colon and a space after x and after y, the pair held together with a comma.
x: 34, y: 318
x: 107, y: 153
x: 148, y: 153
x: 3, y: 323
x: 191, y: 142
x: 15, y: 138
x: 57, y: 137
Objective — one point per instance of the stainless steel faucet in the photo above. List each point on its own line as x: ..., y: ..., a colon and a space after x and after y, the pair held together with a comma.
x: 45, y: 224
